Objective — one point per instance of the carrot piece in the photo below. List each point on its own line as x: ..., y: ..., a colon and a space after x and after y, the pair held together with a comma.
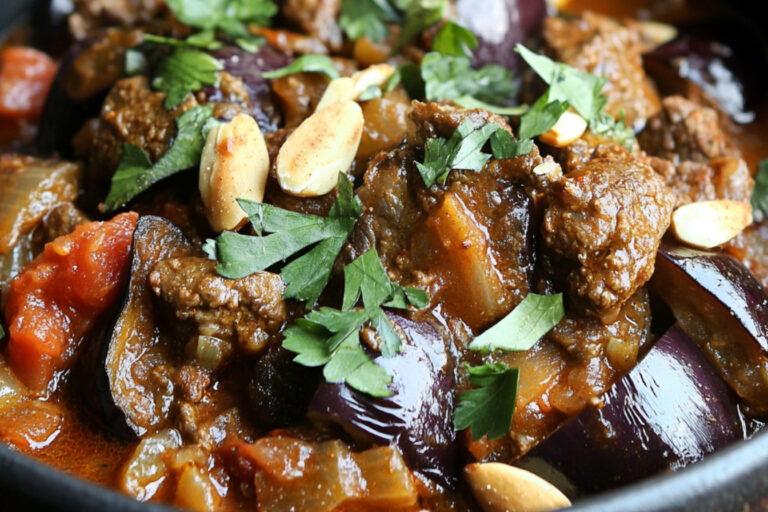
x: 26, y: 76
x: 56, y: 299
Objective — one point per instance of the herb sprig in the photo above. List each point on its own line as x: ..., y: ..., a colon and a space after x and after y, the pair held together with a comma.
x: 760, y: 192
x: 489, y: 408
x: 370, y: 18
x: 184, y: 71
x: 136, y: 172
x: 290, y: 232
x: 331, y: 337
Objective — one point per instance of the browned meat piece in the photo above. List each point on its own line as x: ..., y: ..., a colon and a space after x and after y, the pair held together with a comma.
x: 605, y: 222
x: 247, y: 312
x: 469, y: 243
x: 316, y: 18
x: 600, y: 45
x: 690, y: 150
x: 726, y: 177
x: 685, y: 131
x: 132, y: 113
x: 571, y: 367
x: 439, y: 120
x: 92, y: 14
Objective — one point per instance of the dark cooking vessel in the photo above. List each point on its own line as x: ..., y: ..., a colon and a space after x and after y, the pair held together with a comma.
x: 733, y: 479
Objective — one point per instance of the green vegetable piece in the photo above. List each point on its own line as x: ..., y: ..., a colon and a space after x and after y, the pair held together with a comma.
x: 420, y: 14
x: 136, y: 173
x: 541, y: 116
x: 535, y: 316
x: 760, y: 192
x: 454, y: 40
x: 488, y: 409
x: 448, y: 78
x: 306, y: 63
x: 228, y: 16
x: 184, y: 71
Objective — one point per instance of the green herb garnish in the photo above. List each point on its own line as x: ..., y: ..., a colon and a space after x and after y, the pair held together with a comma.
x: 448, y: 78
x: 534, y: 317
x: 462, y: 151
x: 184, y: 71
x: 488, y: 409
x: 290, y: 232
x: 306, y: 63
x: 367, y: 18
x: 454, y: 40
x: 760, y: 192
x: 419, y: 15
x: 331, y: 338
x: 136, y: 172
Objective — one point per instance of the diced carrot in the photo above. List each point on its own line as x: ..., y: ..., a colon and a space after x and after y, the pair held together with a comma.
x: 57, y: 298
x: 26, y: 76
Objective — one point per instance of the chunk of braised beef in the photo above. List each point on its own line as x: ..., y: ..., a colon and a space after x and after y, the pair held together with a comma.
x: 248, y: 312
x: 598, y: 44
x: 603, y: 224
x: 316, y: 18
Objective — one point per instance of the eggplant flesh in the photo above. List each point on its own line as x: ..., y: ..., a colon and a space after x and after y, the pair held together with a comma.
x: 133, y: 362
x: 418, y: 417
x: 671, y: 410
x: 724, y: 309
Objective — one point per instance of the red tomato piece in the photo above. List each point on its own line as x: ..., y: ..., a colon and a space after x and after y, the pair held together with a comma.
x: 56, y: 299
x: 26, y: 75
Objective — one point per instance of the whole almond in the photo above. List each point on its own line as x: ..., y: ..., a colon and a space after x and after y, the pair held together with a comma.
x: 503, y: 488
x: 325, y: 144
x: 234, y: 165
x: 707, y: 224
x: 351, y: 88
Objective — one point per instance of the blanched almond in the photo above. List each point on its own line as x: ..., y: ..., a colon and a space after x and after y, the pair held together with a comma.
x: 351, y: 88
x: 567, y: 129
x: 655, y: 32
x: 503, y: 488
x: 707, y: 224
x: 234, y: 165
x: 324, y: 145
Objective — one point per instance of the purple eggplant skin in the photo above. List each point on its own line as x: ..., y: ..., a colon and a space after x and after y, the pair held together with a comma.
x: 499, y: 25
x: 724, y: 309
x: 671, y: 410
x: 418, y: 417
x: 726, y: 60
x: 249, y: 67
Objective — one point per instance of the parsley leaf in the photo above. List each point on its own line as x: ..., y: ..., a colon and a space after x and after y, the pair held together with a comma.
x: 331, y: 337
x: 541, y: 116
x: 309, y: 63
x: 760, y: 192
x: 504, y: 145
x: 290, y: 232
x: 359, y: 18
x: 419, y: 15
x: 609, y: 127
x: 205, y: 40
x: 184, y: 71
x: 447, y: 78
x: 488, y: 409
x: 228, y: 16
x: 454, y: 40
x: 136, y: 173
x: 462, y: 151
x: 535, y: 316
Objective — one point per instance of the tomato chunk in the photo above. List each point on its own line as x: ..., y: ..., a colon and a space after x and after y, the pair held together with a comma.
x: 57, y: 298
x: 25, y: 78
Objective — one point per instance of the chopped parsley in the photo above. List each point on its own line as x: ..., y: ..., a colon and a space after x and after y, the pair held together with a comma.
x: 306, y: 63
x: 581, y: 90
x: 454, y: 40
x: 504, y: 145
x: 488, y: 409
x: 290, y: 232
x: 448, y: 78
x: 331, y: 337
x: 534, y: 317
x: 370, y: 18
x: 462, y: 151
x: 541, y: 116
x: 183, y: 71
x: 230, y: 17
x: 136, y: 172
x: 760, y: 192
